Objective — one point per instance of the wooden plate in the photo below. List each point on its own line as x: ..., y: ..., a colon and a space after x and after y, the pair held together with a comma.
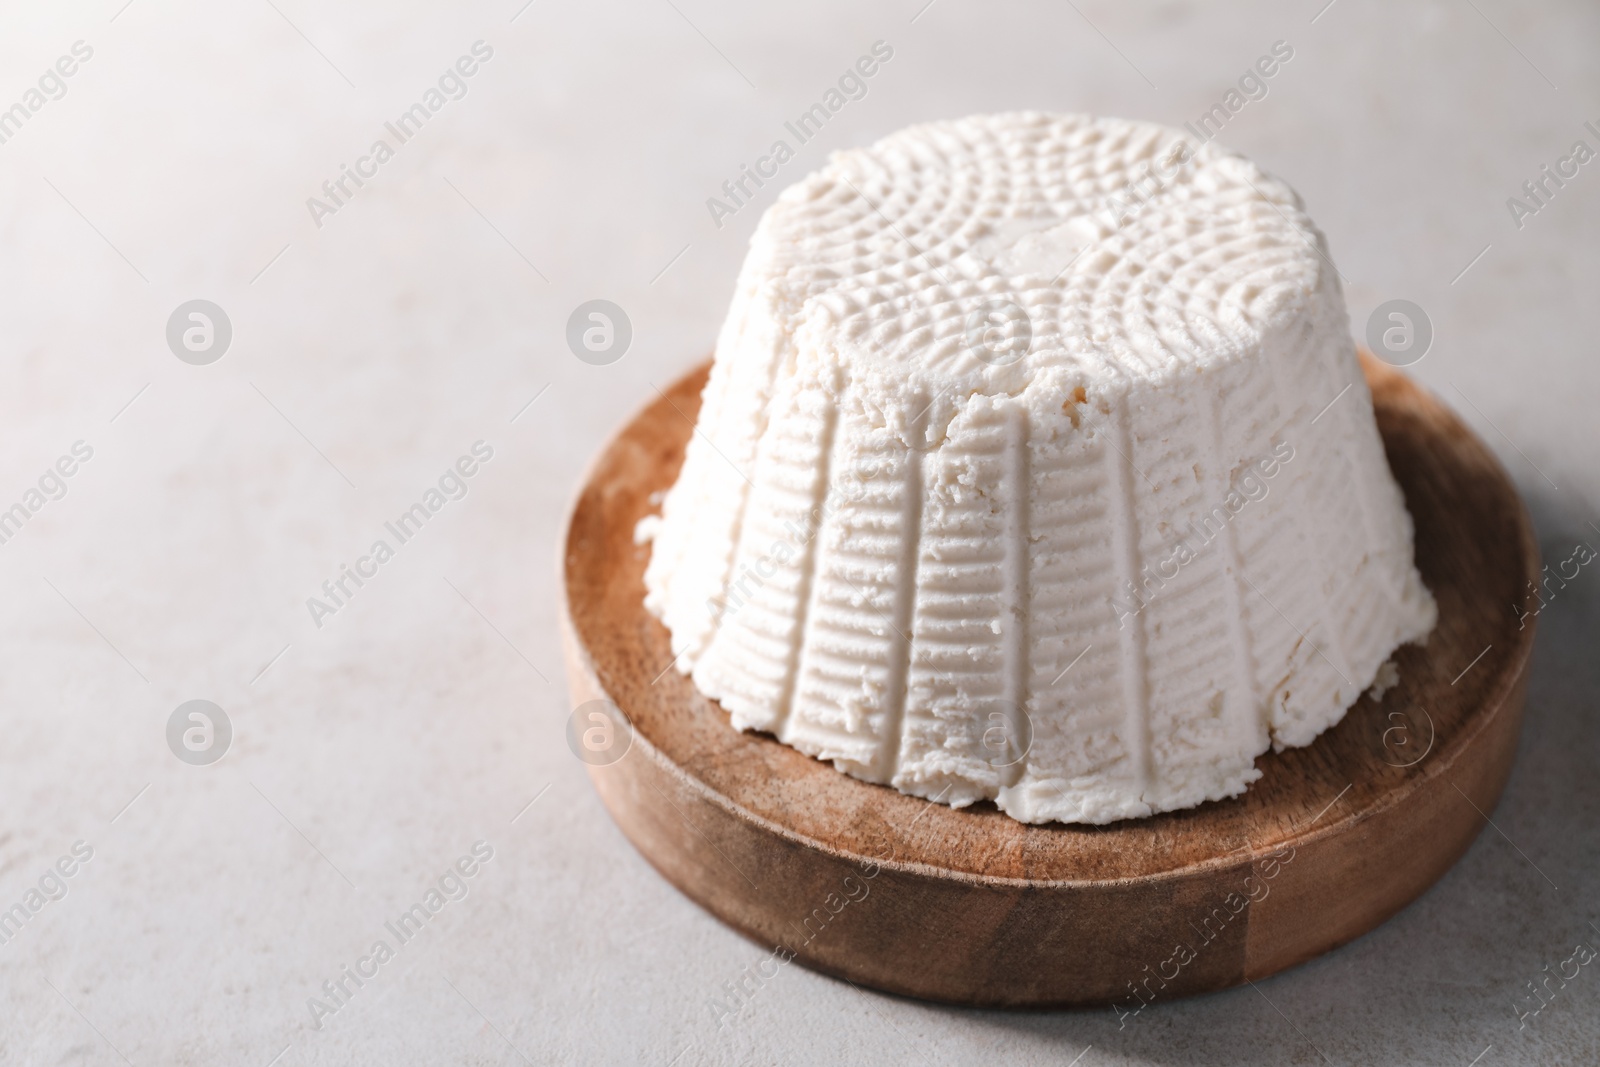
x: 971, y: 907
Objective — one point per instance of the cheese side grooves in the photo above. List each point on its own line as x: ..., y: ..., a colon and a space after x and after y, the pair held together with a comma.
x: 1007, y: 487
x: 1135, y: 678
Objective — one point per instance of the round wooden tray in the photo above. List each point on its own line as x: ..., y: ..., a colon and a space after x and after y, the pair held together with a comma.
x: 971, y: 907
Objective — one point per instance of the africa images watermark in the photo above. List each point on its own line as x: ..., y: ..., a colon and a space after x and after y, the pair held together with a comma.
x: 741, y: 991
x: 52, y: 85
x: 1537, y: 597
x: 452, y: 85
x: 452, y: 485
x: 852, y: 85
x: 199, y: 732
x: 796, y: 536
x: 1255, y: 889
x: 52, y: 485
x: 1538, y: 192
x: 1583, y: 954
x: 53, y: 886
x: 1126, y: 204
x: 1250, y: 485
x: 452, y: 887
x: 1252, y: 86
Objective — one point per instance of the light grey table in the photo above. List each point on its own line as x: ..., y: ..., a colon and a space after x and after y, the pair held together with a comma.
x: 374, y: 344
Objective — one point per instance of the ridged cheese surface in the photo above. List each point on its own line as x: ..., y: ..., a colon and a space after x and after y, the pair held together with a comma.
x: 1036, y: 465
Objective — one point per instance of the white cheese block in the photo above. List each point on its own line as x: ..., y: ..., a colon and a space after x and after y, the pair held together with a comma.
x: 1036, y: 466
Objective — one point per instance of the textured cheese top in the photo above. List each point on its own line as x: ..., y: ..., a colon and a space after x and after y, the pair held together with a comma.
x: 1036, y: 465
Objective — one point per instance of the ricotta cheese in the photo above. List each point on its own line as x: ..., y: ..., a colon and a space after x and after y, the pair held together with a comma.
x: 1036, y: 465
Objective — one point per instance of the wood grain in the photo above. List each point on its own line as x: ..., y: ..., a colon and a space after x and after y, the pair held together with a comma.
x: 971, y: 907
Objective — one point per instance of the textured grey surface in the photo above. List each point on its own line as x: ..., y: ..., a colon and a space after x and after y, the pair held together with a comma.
x: 426, y: 313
